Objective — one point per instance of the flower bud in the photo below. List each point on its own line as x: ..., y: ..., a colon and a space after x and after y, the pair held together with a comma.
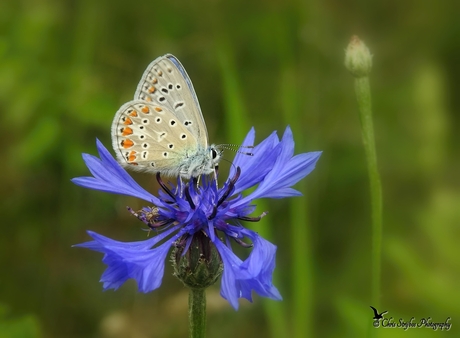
x: 200, y: 266
x: 358, y: 58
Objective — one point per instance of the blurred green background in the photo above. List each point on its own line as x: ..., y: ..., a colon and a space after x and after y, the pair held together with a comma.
x: 67, y: 66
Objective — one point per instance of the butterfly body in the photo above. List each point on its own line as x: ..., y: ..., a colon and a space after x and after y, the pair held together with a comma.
x: 162, y: 129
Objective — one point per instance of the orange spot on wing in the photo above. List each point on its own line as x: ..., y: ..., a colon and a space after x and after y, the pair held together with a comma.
x: 133, y: 113
x: 158, y: 109
x: 127, y: 131
x: 152, y: 89
x: 132, y: 157
x: 128, y: 121
x: 145, y: 109
x: 154, y: 81
x: 148, y: 99
x: 127, y: 143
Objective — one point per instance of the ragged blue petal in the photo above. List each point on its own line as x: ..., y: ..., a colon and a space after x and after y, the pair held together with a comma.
x: 255, y: 273
x: 137, y: 260
x: 110, y: 177
x: 254, y: 168
x: 286, y: 171
x: 261, y: 264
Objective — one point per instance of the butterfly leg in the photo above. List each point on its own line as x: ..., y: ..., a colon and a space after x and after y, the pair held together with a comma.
x: 216, y: 175
x: 180, y: 185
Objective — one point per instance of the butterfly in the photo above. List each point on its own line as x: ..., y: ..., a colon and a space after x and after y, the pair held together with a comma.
x: 163, y: 130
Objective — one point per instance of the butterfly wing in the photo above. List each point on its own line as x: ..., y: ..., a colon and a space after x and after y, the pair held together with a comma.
x: 149, y: 137
x: 166, y: 83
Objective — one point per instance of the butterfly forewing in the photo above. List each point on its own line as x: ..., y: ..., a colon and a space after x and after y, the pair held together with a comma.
x: 149, y: 137
x: 166, y: 83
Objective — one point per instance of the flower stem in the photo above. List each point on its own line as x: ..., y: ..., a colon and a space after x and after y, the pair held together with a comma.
x: 365, y: 113
x: 197, y: 312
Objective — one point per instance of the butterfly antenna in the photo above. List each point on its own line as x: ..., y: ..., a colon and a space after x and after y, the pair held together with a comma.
x: 233, y: 147
x: 236, y: 148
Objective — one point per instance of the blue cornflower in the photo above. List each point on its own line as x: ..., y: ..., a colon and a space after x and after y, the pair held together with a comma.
x: 186, y: 210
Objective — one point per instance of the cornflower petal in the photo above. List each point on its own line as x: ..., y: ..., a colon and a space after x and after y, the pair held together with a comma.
x: 240, y: 278
x: 135, y: 260
x: 110, y: 177
x: 286, y: 171
x: 261, y: 265
x: 230, y: 286
x: 257, y: 166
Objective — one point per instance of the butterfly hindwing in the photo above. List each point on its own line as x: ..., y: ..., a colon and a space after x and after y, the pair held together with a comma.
x: 166, y: 83
x: 149, y: 137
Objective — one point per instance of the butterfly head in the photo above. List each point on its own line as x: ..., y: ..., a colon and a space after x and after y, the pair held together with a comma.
x: 215, y: 155
x: 202, y: 163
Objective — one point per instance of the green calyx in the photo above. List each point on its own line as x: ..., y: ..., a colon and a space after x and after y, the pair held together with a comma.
x: 200, y: 266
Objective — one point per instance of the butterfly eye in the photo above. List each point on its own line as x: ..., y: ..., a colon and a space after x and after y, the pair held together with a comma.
x: 214, y: 153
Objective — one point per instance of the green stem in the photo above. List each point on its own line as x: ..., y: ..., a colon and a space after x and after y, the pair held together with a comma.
x: 365, y: 112
x: 197, y: 313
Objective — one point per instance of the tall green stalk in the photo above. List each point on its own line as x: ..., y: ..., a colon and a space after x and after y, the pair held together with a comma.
x: 197, y: 313
x: 363, y: 95
x: 359, y: 61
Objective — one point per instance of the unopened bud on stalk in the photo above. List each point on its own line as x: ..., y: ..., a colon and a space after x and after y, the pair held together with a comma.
x: 358, y: 58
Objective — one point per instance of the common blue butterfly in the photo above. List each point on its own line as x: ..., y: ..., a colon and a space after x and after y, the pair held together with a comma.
x: 162, y: 130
